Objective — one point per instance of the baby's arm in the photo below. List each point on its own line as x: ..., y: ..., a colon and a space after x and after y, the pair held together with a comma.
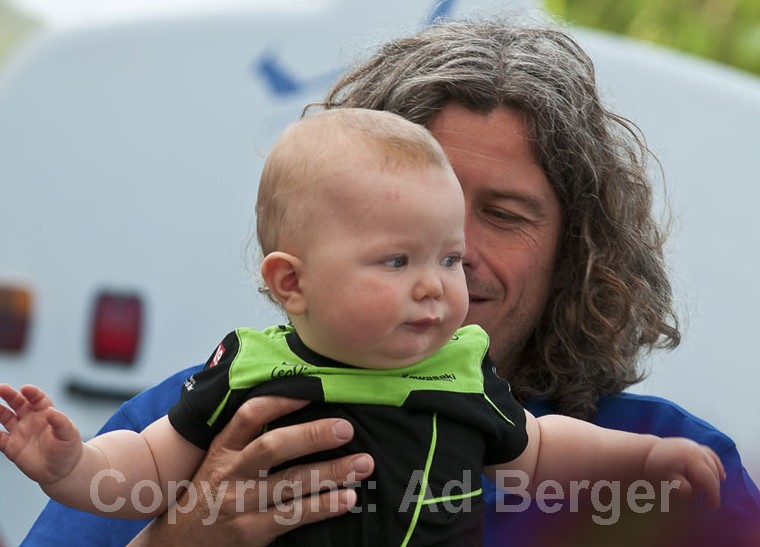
x: 94, y: 476
x: 565, y: 449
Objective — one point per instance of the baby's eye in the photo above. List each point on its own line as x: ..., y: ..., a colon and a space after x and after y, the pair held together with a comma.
x: 451, y: 261
x: 396, y: 261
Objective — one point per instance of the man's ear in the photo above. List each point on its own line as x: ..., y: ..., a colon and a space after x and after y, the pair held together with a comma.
x: 281, y: 273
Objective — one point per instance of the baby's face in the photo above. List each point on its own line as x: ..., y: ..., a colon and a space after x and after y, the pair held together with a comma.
x: 383, y: 278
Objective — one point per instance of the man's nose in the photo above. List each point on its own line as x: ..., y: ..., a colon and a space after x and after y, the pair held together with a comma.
x: 471, y: 257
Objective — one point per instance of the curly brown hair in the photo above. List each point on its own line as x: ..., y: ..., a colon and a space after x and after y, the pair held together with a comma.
x: 613, y: 296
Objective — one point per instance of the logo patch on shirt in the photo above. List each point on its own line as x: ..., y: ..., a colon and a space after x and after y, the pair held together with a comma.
x: 190, y: 383
x: 289, y: 369
x: 217, y: 356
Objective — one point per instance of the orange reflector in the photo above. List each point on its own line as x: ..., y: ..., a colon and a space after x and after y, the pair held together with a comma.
x: 116, y: 327
x: 15, y: 312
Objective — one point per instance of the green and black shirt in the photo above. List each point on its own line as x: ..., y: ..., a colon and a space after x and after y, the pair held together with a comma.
x: 430, y: 427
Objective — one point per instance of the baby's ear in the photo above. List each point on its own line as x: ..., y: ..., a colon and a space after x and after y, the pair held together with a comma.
x: 281, y: 273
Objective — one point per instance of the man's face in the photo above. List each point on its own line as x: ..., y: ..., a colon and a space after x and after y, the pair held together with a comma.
x: 512, y: 223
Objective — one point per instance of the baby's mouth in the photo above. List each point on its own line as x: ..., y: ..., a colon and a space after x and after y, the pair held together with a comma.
x: 425, y: 323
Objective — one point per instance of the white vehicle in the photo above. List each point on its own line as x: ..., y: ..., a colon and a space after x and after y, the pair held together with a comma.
x: 129, y: 160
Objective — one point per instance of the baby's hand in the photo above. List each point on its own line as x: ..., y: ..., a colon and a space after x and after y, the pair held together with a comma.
x: 40, y: 440
x: 695, y: 465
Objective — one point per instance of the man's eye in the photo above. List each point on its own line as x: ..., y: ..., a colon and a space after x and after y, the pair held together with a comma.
x: 451, y: 261
x: 396, y: 261
x: 500, y: 215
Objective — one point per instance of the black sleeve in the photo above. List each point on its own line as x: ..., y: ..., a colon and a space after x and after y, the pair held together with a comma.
x: 197, y: 416
x: 510, y: 436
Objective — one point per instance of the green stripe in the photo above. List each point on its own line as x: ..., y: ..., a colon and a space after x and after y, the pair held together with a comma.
x: 219, y: 409
x: 423, y: 482
x: 453, y: 498
x: 496, y: 408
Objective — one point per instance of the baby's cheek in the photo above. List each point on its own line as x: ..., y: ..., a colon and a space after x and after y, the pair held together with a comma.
x: 377, y: 315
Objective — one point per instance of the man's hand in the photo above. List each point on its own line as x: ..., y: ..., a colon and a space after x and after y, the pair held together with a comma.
x: 234, y: 491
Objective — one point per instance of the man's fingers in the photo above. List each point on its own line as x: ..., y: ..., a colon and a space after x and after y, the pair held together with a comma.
x: 250, y: 419
x: 294, y: 496
x: 287, y: 443
x: 294, y: 513
x: 307, y: 480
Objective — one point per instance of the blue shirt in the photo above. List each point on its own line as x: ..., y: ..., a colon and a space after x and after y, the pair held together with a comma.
x: 591, y: 521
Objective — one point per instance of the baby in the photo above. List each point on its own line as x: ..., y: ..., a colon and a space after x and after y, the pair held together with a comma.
x: 360, y: 219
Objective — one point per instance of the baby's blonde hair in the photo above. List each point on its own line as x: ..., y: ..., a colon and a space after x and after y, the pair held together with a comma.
x: 310, y: 153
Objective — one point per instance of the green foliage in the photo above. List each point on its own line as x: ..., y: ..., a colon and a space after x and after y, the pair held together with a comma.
x: 13, y: 28
x: 727, y: 31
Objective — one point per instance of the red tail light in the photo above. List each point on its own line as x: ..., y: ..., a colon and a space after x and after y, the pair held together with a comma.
x: 15, y: 312
x: 116, y: 327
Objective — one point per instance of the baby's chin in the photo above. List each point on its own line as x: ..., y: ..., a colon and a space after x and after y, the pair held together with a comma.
x: 396, y: 360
